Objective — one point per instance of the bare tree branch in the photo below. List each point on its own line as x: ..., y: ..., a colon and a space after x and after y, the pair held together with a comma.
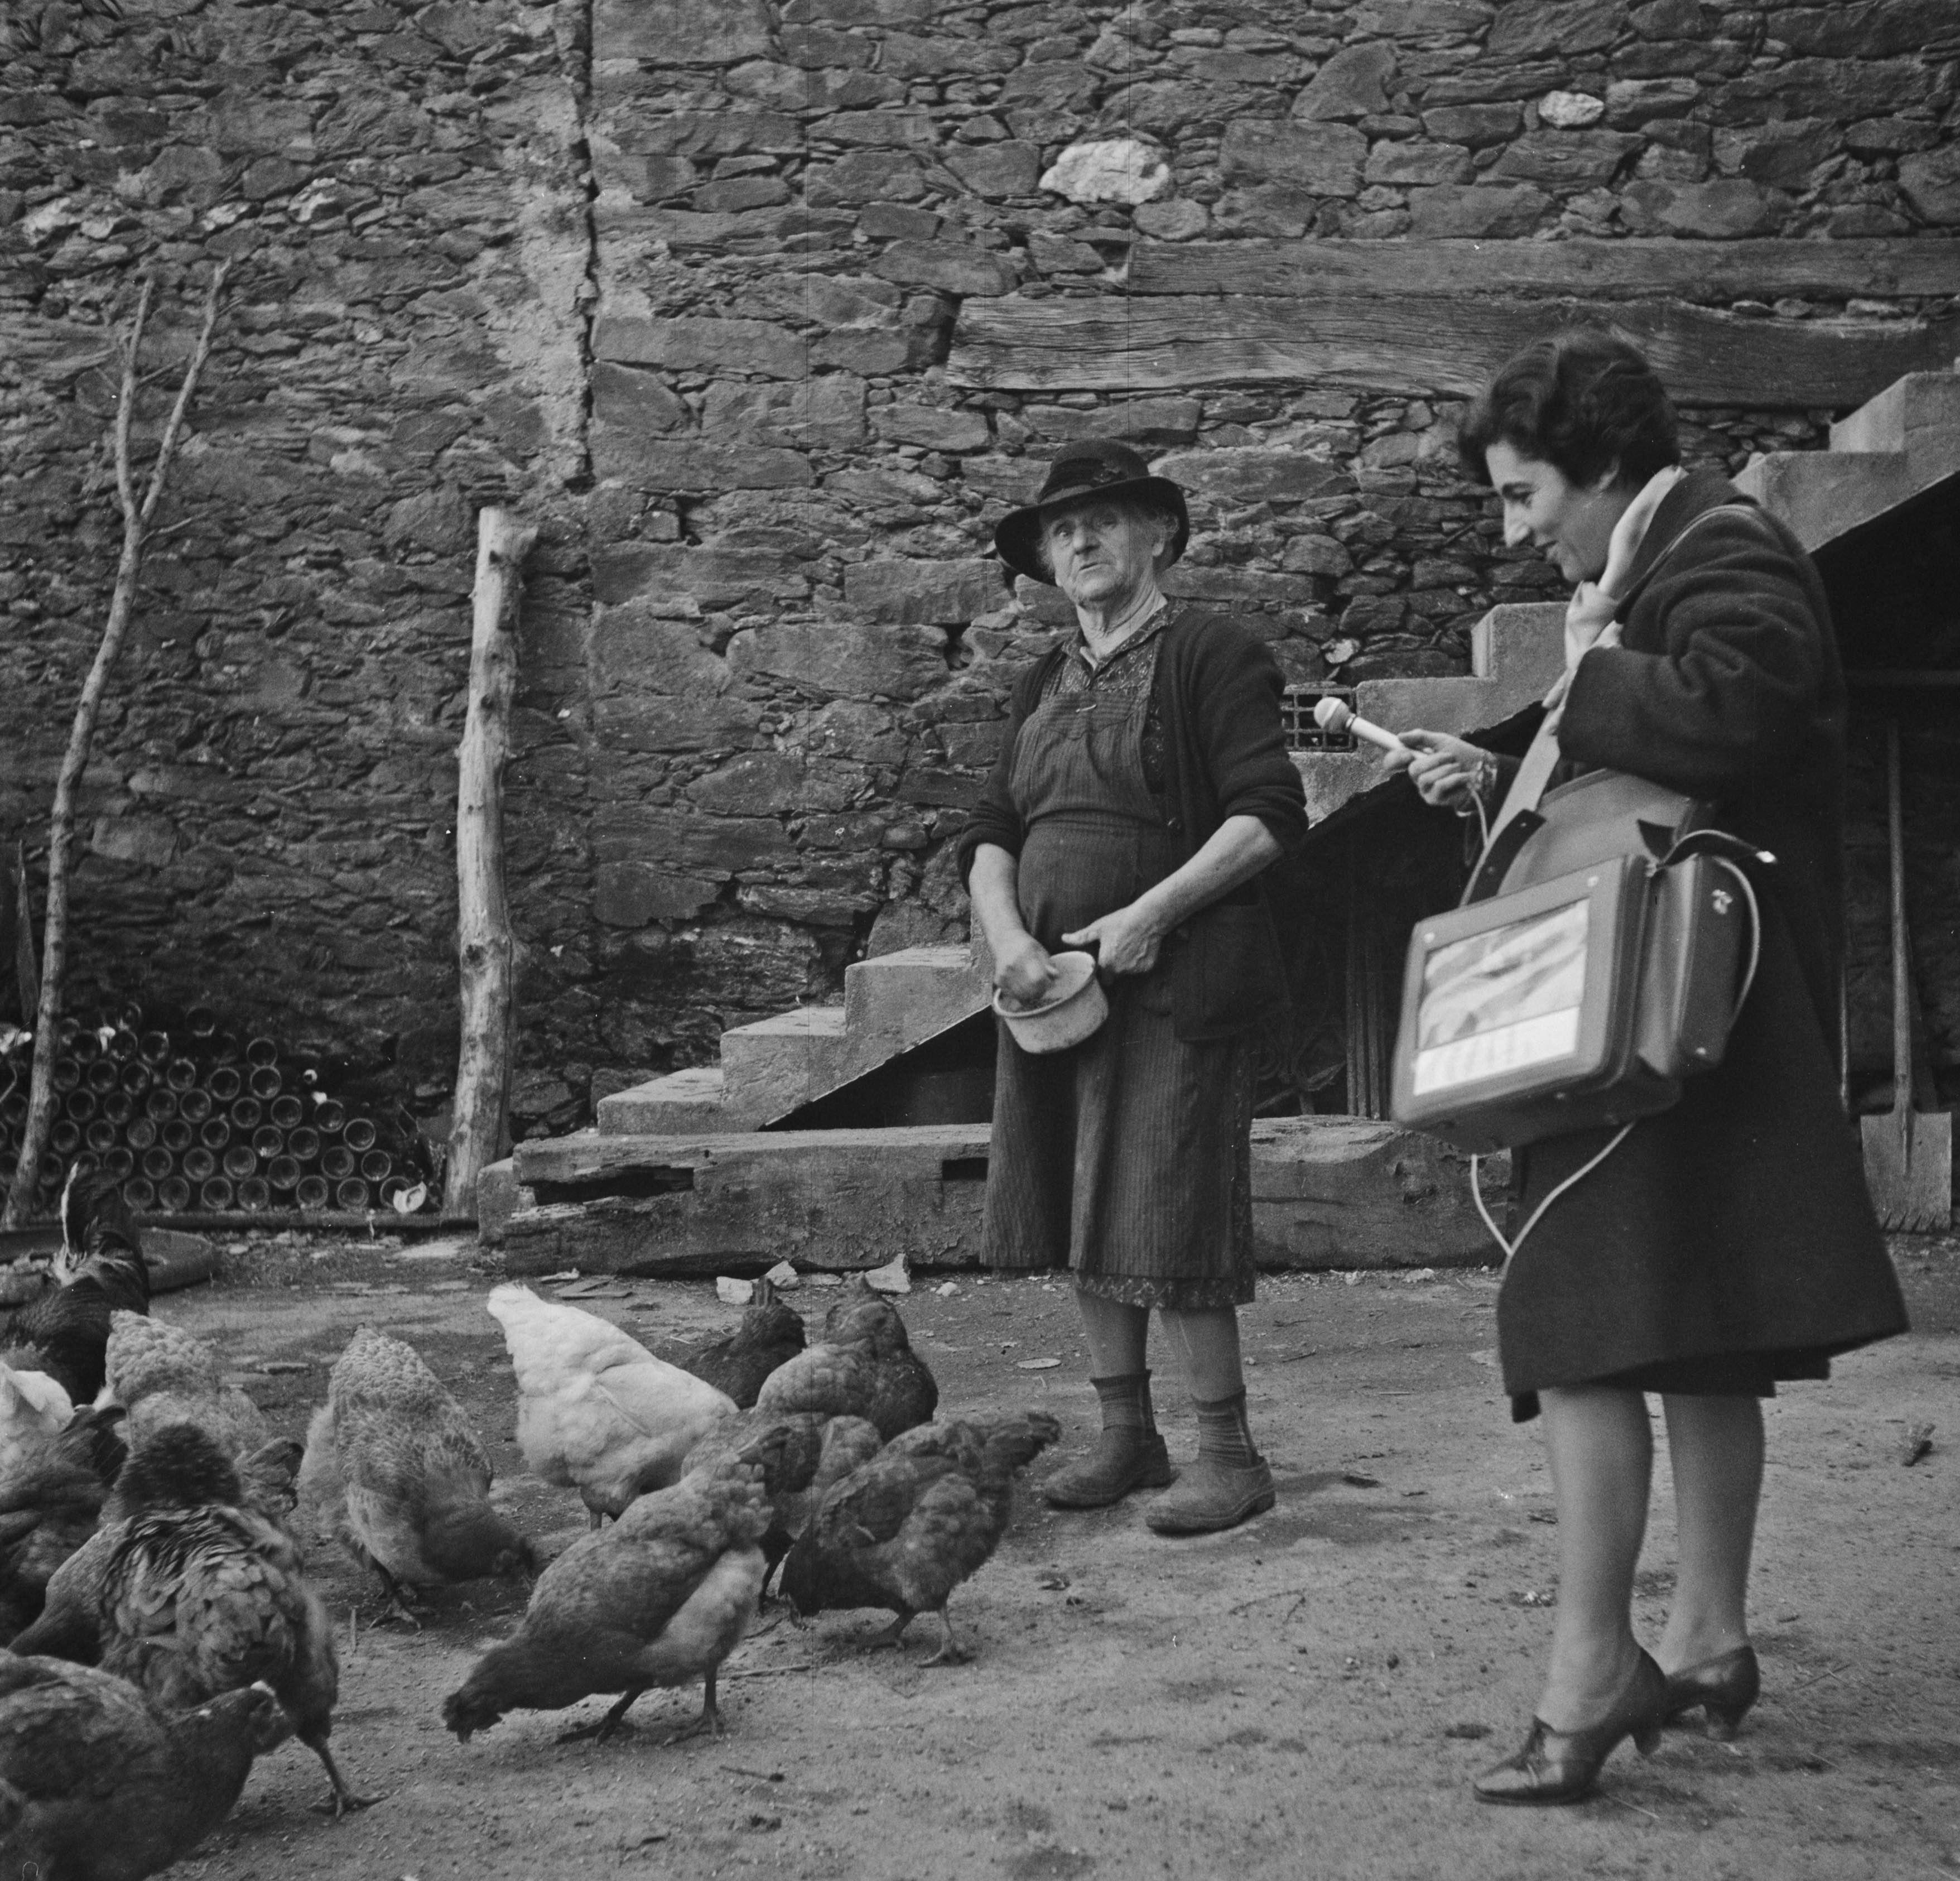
x: 61, y: 823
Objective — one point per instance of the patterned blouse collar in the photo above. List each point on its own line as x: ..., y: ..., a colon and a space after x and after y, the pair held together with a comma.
x: 1138, y: 638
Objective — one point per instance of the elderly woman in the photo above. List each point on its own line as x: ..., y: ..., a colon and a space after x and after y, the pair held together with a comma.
x: 1143, y: 786
x: 1729, y: 1242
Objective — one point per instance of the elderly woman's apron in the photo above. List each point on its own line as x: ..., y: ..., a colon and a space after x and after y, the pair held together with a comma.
x: 1128, y: 1157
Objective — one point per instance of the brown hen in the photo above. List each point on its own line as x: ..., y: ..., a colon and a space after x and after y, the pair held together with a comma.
x: 864, y: 1367
x: 901, y: 1531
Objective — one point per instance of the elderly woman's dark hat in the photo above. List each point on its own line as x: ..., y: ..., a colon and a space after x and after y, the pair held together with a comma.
x: 1095, y: 468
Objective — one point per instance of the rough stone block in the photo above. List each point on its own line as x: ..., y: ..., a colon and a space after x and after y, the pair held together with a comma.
x: 1564, y: 160
x: 1476, y: 211
x: 853, y: 661
x: 869, y: 355
x: 931, y: 427
x: 1930, y: 181
x: 1113, y: 170
x: 753, y: 346
x: 1324, y: 159
x: 898, y: 1000
x: 879, y: 129
x: 1158, y: 421
x: 633, y: 400
x: 716, y: 578
x: 637, y: 722
x: 952, y: 267
x: 866, y: 175
x: 681, y: 32
x: 149, y: 841
x: 631, y: 894
x: 1241, y: 587
x: 688, y: 842
x: 1475, y: 125
x: 710, y: 134
x: 1554, y: 31
x: 656, y: 463
x: 1726, y: 208
x: 853, y: 301
x: 1353, y: 84
x: 825, y: 413
x: 1011, y: 168
x: 757, y: 784
x: 779, y: 1064
x: 1423, y: 19
x: 1414, y: 161
x: 945, y: 593
x: 1251, y: 474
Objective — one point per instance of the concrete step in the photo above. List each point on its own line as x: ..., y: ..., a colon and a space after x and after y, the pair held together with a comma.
x: 1516, y: 652
x: 1823, y: 495
x: 896, y: 1000
x: 1894, y: 445
x: 1327, y: 1192
x: 775, y: 1065
x: 682, y: 1103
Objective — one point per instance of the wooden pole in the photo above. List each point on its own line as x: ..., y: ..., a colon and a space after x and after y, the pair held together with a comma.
x: 484, y: 949
x: 136, y: 518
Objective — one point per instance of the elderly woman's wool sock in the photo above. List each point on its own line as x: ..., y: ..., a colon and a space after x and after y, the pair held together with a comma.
x: 1222, y: 1432
x: 1126, y: 1407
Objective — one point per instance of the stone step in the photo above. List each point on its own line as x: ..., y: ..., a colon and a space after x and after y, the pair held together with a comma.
x: 1327, y: 1192
x: 1516, y: 650
x: 1824, y: 495
x: 775, y: 1065
x: 682, y: 1103
x: 896, y: 1000
x: 1894, y: 446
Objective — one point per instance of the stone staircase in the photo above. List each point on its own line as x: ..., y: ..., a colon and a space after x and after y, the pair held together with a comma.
x: 777, y: 1065
x: 1893, y: 448
x: 1516, y: 652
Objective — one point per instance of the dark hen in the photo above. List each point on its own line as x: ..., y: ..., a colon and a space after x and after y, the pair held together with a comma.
x: 864, y: 1367
x: 49, y: 1508
x: 97, y: 1783
x: 100, y: 1269
x: 194, y: 1595
x: 903, y: 1530
x: 771, y: 1334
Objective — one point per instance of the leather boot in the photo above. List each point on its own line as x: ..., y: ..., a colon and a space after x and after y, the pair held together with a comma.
x: 1124, y: 1459
x: 1211, y: 1494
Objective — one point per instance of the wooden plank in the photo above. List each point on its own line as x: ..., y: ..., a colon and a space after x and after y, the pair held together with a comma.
x: 1142, y: 343
x: 1639, y: 268
x: 590, y: 1157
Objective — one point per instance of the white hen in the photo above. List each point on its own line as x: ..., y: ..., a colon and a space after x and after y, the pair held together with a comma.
x: 597, y: 1412
x: 33, y: 1411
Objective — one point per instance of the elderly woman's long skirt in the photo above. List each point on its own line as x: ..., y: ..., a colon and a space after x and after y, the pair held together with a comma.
x: 1126, y: 1158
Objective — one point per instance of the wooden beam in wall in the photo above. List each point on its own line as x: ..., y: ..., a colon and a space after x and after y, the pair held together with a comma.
x: 1637, y: 268
x: 1405, y: 344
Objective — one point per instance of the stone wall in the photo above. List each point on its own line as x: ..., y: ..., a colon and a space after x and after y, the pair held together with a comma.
x: 765, y: 311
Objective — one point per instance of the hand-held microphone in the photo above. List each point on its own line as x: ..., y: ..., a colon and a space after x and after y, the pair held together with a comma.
x: 1334, y: 714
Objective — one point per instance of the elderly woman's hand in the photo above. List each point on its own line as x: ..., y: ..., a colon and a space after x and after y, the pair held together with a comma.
x: 1126, y: 939
x: 1024, y: 971
x: 1443, y: 769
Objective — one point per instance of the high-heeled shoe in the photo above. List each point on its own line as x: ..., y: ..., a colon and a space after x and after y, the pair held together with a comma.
x: 1562, y: 1766
x: 1723, y: 1687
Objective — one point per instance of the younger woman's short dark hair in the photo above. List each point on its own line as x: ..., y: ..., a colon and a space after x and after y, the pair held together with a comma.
x: 1584, y: 402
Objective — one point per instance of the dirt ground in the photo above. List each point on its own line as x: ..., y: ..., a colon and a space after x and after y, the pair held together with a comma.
x: 1306, y: 1696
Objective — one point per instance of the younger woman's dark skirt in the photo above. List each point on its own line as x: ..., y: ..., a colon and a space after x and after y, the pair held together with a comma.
x: 1127, y: 1159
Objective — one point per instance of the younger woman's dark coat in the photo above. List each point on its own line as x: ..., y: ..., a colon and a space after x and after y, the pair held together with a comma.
x: 1738, y: 1221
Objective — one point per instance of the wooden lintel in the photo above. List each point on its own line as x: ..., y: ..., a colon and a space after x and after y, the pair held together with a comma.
x: 1636, y: 268
x: 1373, y: 342
x: 591, y: 1156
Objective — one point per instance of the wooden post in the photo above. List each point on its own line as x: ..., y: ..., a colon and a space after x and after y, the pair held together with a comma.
x: 137, y: 514
x: 485, y: 950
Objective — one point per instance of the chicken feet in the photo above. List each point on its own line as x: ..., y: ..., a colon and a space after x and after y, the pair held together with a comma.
x: 891, y: 1635
x: 950, y: 1653
x: 395, y: 1604
x: 613, y: 1724
x: 343, y: 1801
x: 709, y: 1724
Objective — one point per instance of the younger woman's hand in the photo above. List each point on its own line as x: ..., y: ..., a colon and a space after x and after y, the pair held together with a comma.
x: 1024, y: 971
x: 1443, y: 769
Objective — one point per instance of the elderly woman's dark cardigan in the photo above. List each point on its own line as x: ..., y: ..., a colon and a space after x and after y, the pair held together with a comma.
x: 1218, y: 692
x: 1738, y: 1222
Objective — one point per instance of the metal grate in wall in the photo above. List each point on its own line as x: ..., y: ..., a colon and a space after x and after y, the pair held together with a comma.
x: 1296, y: 706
